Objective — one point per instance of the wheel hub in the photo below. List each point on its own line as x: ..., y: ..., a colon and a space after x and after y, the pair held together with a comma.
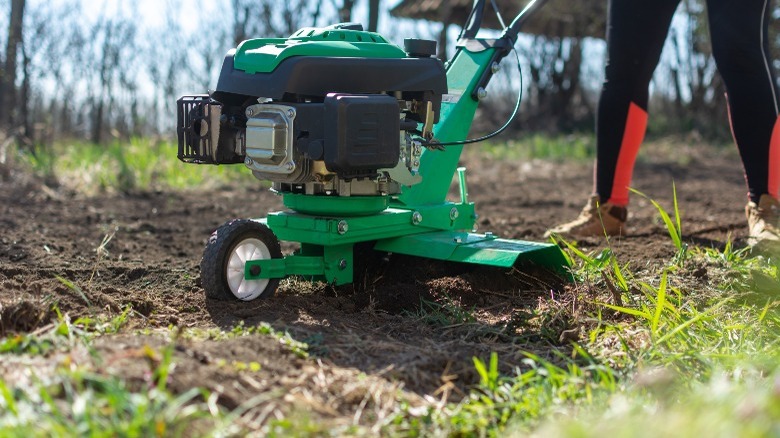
x: 248, y: 249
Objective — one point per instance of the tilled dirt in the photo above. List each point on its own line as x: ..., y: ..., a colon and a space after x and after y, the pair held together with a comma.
x: 94, y: 256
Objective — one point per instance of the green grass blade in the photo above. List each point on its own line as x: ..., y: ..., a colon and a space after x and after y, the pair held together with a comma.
x: 10, y: 403
x: 481, y: 370
x: 764, y: 312
x: 493, y: 372
x: 621, y: 279
x: 72, y: 286
x: 659, y: 304
x: 677, y: 211
x: 577, y: 252
x: 628, y: 311
x: 673, y: 231
x: 691, y: 321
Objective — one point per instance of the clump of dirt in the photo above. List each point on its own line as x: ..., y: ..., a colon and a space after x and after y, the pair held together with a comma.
x: 23, y: 316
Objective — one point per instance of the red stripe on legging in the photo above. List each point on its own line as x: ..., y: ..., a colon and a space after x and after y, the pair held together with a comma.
x: 773, y: 183
x: 636, y: 125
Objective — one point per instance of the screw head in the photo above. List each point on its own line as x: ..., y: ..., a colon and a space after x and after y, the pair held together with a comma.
x: 291, y: 113
x: 416, y: 217
x: 248, y: 161
x: 290, y: 166
x: 250, y: 112
x: 495, y: 67
x: 342, y: 264
x: 481, y: 93
x: 255, y: 270
x: 454, y: 213
x: 343, y: 227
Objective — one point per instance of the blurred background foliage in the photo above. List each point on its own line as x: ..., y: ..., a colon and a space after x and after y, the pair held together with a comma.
x: 99, y: 71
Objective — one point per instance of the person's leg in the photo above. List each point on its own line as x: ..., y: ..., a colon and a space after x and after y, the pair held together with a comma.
x: 636, y: 31
x: 740, y: 46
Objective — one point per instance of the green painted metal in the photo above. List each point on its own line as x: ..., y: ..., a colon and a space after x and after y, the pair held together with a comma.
x: 334, y: 266
x: 457, y: 112
x: 464, y: 191
x: 290, y: 265
x: 392, y: 222
x: 335, y: 205
x: 474, y: 248
x: 263, y: 55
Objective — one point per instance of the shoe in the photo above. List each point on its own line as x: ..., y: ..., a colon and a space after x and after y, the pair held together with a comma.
x: 763, y: 222
x: 596, y: 219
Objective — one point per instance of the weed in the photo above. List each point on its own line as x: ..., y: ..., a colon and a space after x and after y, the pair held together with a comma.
x: 488, y: 374
x: 101, y: 252
x: 674, y: 228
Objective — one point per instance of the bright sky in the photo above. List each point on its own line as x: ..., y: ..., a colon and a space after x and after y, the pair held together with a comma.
x: 190, y: 9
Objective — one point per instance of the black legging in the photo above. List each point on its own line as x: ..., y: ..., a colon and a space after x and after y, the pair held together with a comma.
x: 636, y: 31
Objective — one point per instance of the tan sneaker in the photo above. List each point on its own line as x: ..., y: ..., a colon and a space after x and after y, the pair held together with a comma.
x: 596, y: 219
x: 763, y: 221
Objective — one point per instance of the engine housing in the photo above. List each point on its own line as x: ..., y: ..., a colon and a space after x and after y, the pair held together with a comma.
x: 328, y: 111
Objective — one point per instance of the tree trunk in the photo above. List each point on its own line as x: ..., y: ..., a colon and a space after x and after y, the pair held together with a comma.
x: 345, y: 12
x: 8, y: 84
x: 373, y: 15
x: 26, y: 96
x: 443, y: 41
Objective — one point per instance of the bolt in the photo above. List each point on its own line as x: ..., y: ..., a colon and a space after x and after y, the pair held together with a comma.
x: 342, y: 264
x: 290, y: 166
x: 250, y: 112
x: 248, y: 161
x: 291, y: 113
x: 481, y: 93
x: 416, y: 163
x: 343, y: 227
x: 458, y: 240
x: 416, y: 217
x: 495, y: 67
x: 255, y: 270
x: 454, y: 214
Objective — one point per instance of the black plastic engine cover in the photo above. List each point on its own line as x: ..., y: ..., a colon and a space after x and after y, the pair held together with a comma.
x: 362, y: 133
x: 316, y: 76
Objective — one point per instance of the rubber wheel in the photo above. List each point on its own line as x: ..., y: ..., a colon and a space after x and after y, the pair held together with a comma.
x: 226, y: 253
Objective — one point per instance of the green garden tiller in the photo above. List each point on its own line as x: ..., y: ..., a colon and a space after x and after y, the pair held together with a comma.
x: 361, y: 139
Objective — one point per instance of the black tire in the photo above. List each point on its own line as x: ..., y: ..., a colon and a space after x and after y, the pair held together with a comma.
x: 214, y: 274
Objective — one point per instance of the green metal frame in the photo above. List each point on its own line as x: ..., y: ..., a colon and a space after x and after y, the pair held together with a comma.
x: 420, y: 221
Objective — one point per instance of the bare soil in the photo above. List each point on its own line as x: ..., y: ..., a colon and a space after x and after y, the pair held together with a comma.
x: 369, y: 347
